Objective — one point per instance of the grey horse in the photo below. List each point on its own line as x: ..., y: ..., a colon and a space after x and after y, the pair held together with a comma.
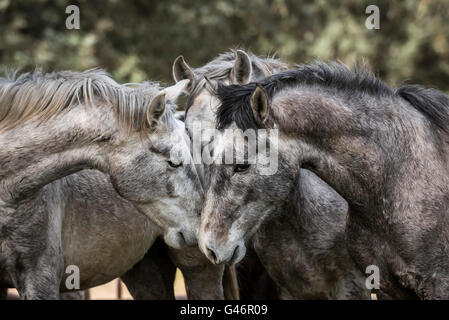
x: 307, y: 228
x: 54, y: 125
x: 383, y: 150
x: 106, y: 237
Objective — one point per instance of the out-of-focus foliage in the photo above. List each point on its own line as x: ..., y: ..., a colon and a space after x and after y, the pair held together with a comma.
x: 138, y: 40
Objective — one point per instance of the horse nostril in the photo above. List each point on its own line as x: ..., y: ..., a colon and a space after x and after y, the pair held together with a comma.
x: 182, y: 237
x: 212, y: 255
x: 187, y: 238
x: 234, y: 254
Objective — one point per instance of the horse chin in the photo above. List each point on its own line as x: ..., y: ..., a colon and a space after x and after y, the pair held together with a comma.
x: 180, y: 238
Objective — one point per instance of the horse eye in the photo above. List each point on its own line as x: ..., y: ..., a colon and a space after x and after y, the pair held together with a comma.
x: 174, y: 165
x: 241, y: 167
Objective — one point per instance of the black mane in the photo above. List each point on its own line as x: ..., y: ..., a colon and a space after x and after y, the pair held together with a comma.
x: 235, y: 106
x: 235, y: 99
x: 433, y: 103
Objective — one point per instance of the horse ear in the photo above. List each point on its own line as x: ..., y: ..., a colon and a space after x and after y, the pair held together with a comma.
x: 242, y: 70
x: 172, y: 93
x: 260, y: 104
x: 156, y: 110
x: 182, y: 71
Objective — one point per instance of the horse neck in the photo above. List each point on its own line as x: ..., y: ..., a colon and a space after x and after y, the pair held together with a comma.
x: 32, y: 155
x: 349, y: 148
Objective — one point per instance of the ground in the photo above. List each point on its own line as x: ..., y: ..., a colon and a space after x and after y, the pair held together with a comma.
x: 110, y: 290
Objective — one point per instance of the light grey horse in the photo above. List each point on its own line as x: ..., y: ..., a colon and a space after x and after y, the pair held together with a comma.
x: 105, y: 236
x: 383, y: 150
x: 53, y: 125
x: 307, y: 229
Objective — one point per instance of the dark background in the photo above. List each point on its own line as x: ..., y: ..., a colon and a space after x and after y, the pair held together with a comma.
x: 138, y: 40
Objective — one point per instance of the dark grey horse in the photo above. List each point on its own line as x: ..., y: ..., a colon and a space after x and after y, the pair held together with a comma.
x: 307, y: 227
x: 383, y: 150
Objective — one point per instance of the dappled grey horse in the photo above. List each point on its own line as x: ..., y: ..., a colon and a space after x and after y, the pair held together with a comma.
x: 54, y: 125
x: 301, y: 244
x: 383, y: 150
x: 105, y: 236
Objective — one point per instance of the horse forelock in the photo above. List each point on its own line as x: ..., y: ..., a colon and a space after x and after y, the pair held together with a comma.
x: 235, y: 106
x: 38, y: 96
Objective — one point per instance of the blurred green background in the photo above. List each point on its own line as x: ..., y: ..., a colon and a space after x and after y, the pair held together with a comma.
x: 138, y: 40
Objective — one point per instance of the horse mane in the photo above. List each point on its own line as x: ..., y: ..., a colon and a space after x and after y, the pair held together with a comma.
x: 220, y: 68
x: 235, y: 99
x: 38, y: 96
x: 433, y: 103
